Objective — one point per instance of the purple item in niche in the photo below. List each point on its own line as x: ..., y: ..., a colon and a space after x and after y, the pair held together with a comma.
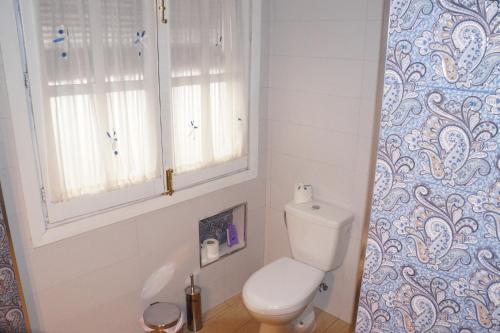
x: 232, y: 235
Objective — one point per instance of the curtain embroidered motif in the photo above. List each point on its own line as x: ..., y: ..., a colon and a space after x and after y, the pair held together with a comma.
x: 139, y: 41
x: 114, y: 142
x: 62, y: 39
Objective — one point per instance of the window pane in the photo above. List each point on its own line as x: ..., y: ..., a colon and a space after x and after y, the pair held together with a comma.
x: 210, y: 81
x: 101, y: 89
x: 188, y: 152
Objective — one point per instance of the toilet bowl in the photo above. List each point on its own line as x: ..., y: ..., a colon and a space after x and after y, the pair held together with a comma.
x: 279, y: 293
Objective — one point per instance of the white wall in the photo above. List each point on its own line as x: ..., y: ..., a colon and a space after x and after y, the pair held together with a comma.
x: 92, y: 283
x: 322, y: 79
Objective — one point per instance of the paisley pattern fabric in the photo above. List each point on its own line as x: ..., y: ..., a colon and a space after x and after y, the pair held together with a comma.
x: 11, y: 313
x: 432, y: 261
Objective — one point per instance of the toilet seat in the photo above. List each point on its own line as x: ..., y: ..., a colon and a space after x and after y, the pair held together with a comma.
x: 281, y: 287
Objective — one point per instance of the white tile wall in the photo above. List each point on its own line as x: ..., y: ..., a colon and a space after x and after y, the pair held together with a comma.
x: 318, y: 10
x: 323, y: 68
x: 316, y: 75
x: 323, y: 111
x: 318, y: 39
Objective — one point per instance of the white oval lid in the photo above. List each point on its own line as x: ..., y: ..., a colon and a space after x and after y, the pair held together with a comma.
x: 323, y: 213
x: 281, y: 286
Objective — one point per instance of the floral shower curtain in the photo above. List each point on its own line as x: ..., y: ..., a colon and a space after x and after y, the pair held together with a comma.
x: 13, y: 316
x: 432, y: 261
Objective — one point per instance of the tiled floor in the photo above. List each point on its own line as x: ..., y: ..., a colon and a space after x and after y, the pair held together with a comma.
x: 232, y: 317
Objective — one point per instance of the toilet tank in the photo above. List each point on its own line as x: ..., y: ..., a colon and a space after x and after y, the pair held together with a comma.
x: 319, y: 233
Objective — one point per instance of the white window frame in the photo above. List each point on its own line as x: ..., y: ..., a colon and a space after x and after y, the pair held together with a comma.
x: 43, y: 233
x: 64, y: 212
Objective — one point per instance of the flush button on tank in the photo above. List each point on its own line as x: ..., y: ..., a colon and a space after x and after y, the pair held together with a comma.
x: 316, y: 207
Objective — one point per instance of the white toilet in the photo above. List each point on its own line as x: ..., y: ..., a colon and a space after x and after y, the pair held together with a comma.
x: 279, y: 295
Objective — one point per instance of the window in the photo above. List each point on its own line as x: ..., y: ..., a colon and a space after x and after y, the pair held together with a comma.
x: 99, y: 111
x: 209, y: 50
x: 209, y: 82
x: 118, y: 97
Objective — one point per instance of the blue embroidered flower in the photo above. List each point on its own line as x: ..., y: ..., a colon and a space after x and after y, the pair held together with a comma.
x: 218, y: 42
x: 62, y: 42
x: 60, y: 36
x: 114, y: 142
x: 139, y: 41
x: 194, y: 127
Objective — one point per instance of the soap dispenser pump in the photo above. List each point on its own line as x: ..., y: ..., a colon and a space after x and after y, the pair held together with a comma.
x: 193, y: 306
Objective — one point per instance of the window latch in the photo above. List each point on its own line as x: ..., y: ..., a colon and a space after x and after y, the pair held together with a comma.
x: 169, y: 175
x: 162, y: 9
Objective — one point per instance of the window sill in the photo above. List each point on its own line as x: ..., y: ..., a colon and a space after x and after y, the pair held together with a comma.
x: 59, y: 232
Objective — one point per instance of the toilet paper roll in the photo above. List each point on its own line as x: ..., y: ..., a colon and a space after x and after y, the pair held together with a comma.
x: 212, y: 246
x: 303, y: 193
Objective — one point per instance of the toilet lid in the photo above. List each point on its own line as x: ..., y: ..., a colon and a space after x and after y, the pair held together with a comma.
x: 281, y: 287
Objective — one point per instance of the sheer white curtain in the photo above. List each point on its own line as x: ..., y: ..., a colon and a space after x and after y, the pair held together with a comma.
x: 209, y: 61
x: 100, y: 85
